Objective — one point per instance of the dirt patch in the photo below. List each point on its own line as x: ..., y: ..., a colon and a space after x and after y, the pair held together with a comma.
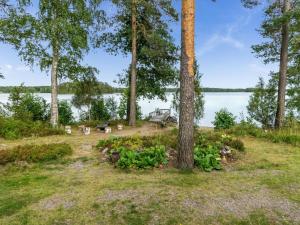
x: 243, y: 204
x: 55, y: 202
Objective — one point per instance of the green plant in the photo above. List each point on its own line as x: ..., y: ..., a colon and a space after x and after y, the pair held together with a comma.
x: 207, y: 159
x: 99, y: 110
x: 262, y: 104
x: 35, y: 153
x: 65, y: 113
x: 13, y: 129
x: 24, y: 105
x: 146, y: 158
x: 224, y: 120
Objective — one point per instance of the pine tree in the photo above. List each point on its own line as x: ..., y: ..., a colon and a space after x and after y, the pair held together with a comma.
x: 151, y: 46
x: 187, y: 82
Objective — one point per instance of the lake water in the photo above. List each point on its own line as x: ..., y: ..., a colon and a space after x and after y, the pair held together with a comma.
x: 235, y: 102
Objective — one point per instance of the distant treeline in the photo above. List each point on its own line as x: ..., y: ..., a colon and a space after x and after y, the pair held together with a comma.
x: 64, y: 88
x: 68, y: 88
x: 206, y: 89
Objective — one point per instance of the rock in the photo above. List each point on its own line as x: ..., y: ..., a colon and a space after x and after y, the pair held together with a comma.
x: 120, y: 126
x: 107, y: 130
x: 115, y: 156
x: 104, y: 151
x: 68, y: 129
x: 87, y: 131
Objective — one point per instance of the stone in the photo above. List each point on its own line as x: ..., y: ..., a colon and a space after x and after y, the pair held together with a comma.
x: 87, y: 131
x: 115, y: 156
x: 107, y: 130
x: 68, y: 129
x: 120, y: 126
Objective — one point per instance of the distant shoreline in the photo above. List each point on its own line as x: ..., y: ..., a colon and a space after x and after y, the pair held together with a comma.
x: 113, y: 90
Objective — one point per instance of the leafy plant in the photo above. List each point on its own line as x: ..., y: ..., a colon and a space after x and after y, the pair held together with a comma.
x: 146, y: 158
x: 224, y: 120
x: 207, y: 159
x: 65, y: 113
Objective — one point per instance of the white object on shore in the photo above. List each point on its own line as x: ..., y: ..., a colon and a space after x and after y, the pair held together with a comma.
x: 120, y: 126
x: 87, y: 131
x: 68, y: 129
x: 107, y: 130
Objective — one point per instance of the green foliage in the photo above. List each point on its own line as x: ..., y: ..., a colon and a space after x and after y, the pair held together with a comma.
x: 285, y: 135
x: 35, y: 153
x: 263, y: 103
x: 86, y: 93
x: 55, y: 27
x: 112, y: 107
x: 99, y: 110
x: 269, y: 50
x: 147, y: 158
x: 65, y: 113
x: 207, y: 159
x: 198, y: 99
x: 123, y: 107
x: 157, y: 54
x: 218, y: 140
x: 26, y: 106
x: 224, y: 120
x: 13, y: 129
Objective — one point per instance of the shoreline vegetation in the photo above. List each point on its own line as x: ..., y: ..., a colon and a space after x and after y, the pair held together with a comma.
x: 68, y: 88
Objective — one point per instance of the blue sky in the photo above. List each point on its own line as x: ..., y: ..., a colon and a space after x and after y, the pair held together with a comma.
x: 225, y: 32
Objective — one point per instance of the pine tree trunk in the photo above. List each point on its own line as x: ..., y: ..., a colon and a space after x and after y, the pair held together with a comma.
x: 280, y: 114
x: 54, y: 101
x: 186, y: 111
x: 132, y: 113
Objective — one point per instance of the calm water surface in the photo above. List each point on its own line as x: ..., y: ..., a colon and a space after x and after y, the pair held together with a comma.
x: 235, y: 102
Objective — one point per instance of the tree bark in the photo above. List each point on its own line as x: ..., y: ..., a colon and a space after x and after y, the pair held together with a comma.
x: 280, y: 114
x: 132, y: 113
x: 186, y: 111
x: 54, y: 101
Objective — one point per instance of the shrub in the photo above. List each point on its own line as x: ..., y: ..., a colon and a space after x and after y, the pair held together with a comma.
x: 262, y: 104
x: 26, y: 106
x: 65, y: 113
x: 35, y: 153
x: 99, y: 110
x: 147, y: 158
x: 207, y: 159
x: 111, y: 106
x: 224, y: 120
x: 288, y: 136
x: 236, y: 144
x: 13, y: 129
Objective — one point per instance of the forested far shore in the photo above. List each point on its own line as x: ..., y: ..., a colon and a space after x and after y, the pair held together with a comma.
x: 108, y: 89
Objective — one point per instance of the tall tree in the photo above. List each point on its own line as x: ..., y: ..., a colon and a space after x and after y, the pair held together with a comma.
x: 186, y: 114
x: 276, y: 28
x: 132, y: 93
x: 280, y: 114
x: 55, y: 38
x: 156, y: 54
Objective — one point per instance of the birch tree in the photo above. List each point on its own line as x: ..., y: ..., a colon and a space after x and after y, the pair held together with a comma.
x: 55, y: 37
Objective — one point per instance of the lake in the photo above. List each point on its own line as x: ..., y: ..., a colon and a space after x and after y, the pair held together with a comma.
x: 235, y: 102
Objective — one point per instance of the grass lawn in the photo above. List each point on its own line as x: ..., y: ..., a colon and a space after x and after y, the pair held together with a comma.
x: 263, y: 187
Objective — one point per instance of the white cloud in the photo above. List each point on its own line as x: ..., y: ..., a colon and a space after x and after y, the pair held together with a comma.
x: 226, y: 37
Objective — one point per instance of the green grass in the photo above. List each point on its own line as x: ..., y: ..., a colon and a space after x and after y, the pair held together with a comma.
x: 262, y: 188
